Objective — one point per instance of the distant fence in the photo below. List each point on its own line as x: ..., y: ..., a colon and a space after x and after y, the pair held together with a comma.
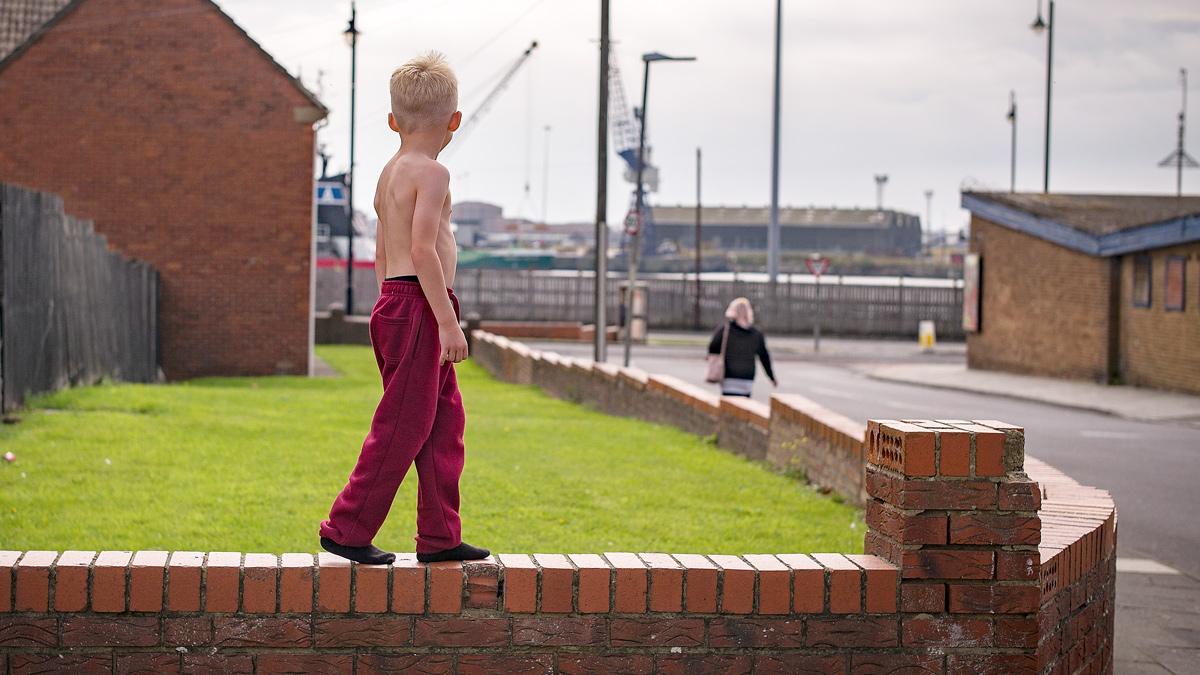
x: 889, y: 308
x: 71, y: 310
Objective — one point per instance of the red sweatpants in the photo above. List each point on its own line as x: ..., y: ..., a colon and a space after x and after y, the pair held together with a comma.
x: 420, y: 418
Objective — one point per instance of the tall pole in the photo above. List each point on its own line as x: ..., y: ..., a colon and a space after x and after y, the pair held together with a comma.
x: 635, y: 240
x: 773, y: 242
x: 545, y: 172
x: 1180, y: 153
x: 600, y: 346
x: 699, y: 265
x: 928, y: 217
x: 352, y: 32
x: 1049, y: 91
x: 1012, y: 161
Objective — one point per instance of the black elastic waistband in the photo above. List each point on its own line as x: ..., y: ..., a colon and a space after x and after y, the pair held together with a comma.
x: 404, y: 277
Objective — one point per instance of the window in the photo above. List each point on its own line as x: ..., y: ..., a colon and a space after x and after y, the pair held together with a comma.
x: 1173, y: 287
x: 1141, y: 281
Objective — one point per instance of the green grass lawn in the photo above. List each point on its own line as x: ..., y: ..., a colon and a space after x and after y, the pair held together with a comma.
x: 252, y: 464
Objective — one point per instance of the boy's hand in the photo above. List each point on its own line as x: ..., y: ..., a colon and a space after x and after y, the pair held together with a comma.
x: 454, y: 343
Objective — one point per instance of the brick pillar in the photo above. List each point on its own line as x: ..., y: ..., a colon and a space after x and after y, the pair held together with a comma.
x: 950, y: 505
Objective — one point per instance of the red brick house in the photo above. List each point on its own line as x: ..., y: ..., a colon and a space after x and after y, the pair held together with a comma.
x: 190, y: 148
x: 1100, y: 287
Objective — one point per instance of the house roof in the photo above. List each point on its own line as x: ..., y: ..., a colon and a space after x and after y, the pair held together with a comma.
x: 1100, y: 225
x: 24, y: 22
x: 751, y: 216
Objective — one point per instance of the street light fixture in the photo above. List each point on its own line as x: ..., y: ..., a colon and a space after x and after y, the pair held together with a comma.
x: 1039, y: 25
x: 351, y: 35
x: 635, y: 239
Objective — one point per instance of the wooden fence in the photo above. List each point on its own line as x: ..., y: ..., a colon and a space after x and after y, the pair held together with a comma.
x: 71, y: 310
x: 889, y: 308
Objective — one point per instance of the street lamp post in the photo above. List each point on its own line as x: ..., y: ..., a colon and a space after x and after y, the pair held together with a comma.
x: 600, y: 344
x: 351, y: 35
x: 1038, y: 26
x: 1012, y: 159
x: 635, y: 239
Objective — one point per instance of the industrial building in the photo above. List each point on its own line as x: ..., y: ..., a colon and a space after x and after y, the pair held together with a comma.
x: 822, y: 229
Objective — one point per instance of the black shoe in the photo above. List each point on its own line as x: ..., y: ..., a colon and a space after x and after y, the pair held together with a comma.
x: 367, y: 555
x: 463, y: 551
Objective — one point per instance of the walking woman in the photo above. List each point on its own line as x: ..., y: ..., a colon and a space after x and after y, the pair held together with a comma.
x: 732, y: 350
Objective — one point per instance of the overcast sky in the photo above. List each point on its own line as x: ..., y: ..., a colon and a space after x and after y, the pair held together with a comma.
x: 917, y: 90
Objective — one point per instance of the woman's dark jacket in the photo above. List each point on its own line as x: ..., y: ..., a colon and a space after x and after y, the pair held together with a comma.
x: 744, y: 344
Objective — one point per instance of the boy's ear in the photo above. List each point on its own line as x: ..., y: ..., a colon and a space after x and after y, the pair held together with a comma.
x: 392, y: 123
x: 455, y: 121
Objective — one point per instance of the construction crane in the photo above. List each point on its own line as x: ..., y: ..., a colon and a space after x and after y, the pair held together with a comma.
x: 626, y: 125
x: 471, y: 122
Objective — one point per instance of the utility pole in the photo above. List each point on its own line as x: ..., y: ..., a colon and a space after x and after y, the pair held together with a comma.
x: 1012, y: 161
x: 545, y: 172
x: 928, y: 217
x: 1180, y: 159
x: 600, y: 346
x: 773, y: 239
x: 881, y: 179
x: 699, y: 265
x: 1038, y: 26
x: 351, y: 35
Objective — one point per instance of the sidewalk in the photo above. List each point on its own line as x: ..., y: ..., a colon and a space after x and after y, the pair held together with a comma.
x: 1128, y: 402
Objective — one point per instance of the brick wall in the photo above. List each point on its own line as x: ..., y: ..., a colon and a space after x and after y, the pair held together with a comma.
x: 743, y: 425
x: 1045, y: 307
x: 1159, y: 348
x: 179, y: 138
x: 827, y: 448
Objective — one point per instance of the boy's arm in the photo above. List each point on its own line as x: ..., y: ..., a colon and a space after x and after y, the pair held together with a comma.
x: 432, y: 189
x: 380, y: 256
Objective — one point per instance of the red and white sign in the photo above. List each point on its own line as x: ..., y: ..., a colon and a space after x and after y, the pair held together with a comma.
x: 817, y: 265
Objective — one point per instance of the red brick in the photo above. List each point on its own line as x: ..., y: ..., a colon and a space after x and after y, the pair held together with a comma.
x: 737, y: 584
x: 666, y: 582
x: 906, y: 528
x: 991, y: 664
x: 603, y: 664
x: 667, y: 632
x: 703, y: 664
x: 260, y: 576
x: 946, y: 632
x: 929, y: 598
x: 514, y: 664
x: 222, y: 578
x: 1017, y: 565
x: 774, y: 584
x: 631, y: 582
x: 930, y: 494
x: 955, y: 453
x: 149, y: 663
x: 520, y: 583
x: 146, y: 574
x: 851, y: 631
x: 271, y: 663
x: 845, y: 585
x: 916, y: 448
x: 445, y: 587
x: 60, y: 663
x: 990, y: 528
x: 8, y: 560
x: 581, y: 631
x: 808, y: 583
x: 792, y: 664
x: 755, y: 632
x: 408, y: 584
x: 70, y: 581
x: 557, y: 583
x: 993, y: 599
x: 33, y: 581
x: 187, y: 631
x: 482, y: 581
x: 424, y: 663
x: 296, y: 582
x: 28, y: 631
x: 370, y: 588
x: 1020, y: 496
x: 595, y: 582
x: 262, y: 631
x: 700, y: 583
x: 108, y: 581
x: 896, y: 663
x: 106, y: 631
x: 1016, y: 632
x: 947, y: 564
x: 183, y: 581
x: 375, y: 631
x: 460, y: 632
x: 333, y: 583
x: 881, y: 582
x: 217, y: 664
x: 989, y: 453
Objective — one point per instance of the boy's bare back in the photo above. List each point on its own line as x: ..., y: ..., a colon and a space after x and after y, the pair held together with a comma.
x: 411, y: 186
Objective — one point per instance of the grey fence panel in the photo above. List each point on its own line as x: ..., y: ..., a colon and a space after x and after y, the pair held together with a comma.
x: 71, y: 310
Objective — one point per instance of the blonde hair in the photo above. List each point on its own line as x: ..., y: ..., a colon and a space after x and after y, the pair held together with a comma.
x: 424, y: 92
x: 740, y: 311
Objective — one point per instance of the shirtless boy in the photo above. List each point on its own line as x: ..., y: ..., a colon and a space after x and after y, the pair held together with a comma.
x: 415, y: 334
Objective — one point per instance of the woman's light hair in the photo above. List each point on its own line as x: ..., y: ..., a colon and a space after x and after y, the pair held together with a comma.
x: 424, y: 92
x: 740, y: 311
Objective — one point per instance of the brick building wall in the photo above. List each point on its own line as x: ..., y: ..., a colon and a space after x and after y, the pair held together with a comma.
x: 1045, y: 307
x: 192, y: 151
x: 1161, y: 348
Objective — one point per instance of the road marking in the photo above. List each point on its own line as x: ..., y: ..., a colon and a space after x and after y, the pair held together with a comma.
x: 1098, y: 433
x: 837, y: 393
x: 1143, y: 566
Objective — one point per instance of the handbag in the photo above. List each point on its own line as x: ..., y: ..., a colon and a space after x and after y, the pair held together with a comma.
x: 716, y: 362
